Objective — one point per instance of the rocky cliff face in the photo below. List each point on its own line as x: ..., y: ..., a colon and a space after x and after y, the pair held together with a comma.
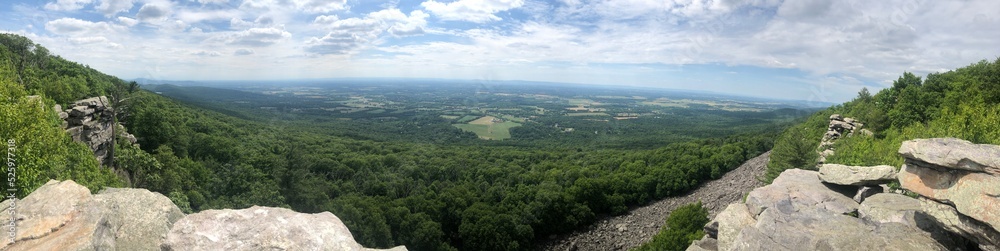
x: 90, y: 121
x: 65, y: 216
x: 839, y: 207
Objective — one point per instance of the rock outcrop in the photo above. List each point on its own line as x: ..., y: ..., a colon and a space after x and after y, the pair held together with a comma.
x: 839, y: 127
x: 856, y: 175
x: 65, y: 216
x: 90, y: 121
x: 957, y: 207
x: 261, y: 228
x: 962, y: 178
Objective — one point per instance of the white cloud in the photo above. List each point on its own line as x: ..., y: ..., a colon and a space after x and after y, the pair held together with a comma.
x: 243, y: 52
x: 152, y: 12
x: 320, y: 6
x: 325, y: 19
x: 128, y: 21
x: 345, y: 36
x: 112, y: 7
x: 238, y: 24
x: 257, y: 37
x: 88, y: 40
x: 220, y: 2
x: 67, y: 5
x: 478, y: 11
x: 73, y: 27
x: 207, y: 53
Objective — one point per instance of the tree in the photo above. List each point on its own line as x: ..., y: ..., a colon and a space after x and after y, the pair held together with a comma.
x: 795, y: 149
x: 684, y: 225
x: 120, y: 109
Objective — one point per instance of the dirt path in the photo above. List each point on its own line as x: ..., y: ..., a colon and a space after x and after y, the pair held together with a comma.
x: 640, y: 224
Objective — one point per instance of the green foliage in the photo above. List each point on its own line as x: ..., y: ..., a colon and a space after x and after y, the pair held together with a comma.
x: 40, y: 149
x: 684, y: 226
x: 963, y: 103
x: 796, y: 147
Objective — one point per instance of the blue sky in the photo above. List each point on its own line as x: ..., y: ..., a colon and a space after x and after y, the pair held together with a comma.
x: 822, y: 50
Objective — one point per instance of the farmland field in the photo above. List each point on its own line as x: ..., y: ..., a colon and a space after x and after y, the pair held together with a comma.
x: 489, y: 127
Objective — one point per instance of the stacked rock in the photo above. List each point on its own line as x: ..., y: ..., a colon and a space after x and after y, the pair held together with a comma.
x: 839, y: 127
x: 959, y: 185
x: 90, y: 121
x: 865, y: 178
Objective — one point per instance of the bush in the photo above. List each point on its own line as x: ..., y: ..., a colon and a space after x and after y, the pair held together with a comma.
x: 684, y: 226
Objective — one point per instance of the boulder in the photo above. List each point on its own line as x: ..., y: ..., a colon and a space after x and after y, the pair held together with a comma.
x: 141, y: 218
x: 65, y: 216
x: 783, y: 229
x: 868, y: 191
x: 973, y: 194
x: 836, y: 117
x: 949, y: 219
x: 81, y: 111
x: 57, y: 216
x: 841, y: 126
x: 796, y: 189
x: 856, y: 175
x: 890, y: 207
x: 261, y: 228
x: 729, y: 223
x: 705, y: 244
x: 93, y: 102
x: 954, y: 154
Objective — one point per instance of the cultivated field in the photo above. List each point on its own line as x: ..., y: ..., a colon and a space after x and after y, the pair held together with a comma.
x: 489, y: 127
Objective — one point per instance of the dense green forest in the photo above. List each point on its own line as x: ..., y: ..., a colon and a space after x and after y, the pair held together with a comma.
x: 963, y: 103
x: 424, y: 195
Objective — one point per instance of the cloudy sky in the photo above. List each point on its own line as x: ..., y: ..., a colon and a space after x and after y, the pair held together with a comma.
x: 823, y: 50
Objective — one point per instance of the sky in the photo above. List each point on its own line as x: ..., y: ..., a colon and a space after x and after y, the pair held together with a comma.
x: 821, y: 50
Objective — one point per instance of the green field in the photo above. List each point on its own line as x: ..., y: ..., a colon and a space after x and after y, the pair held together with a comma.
x: 449, y: 117
x: 498, y: 131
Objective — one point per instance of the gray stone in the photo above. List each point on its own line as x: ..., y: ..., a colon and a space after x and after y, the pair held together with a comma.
x: 856, y: 175
x: 954, y: 153
x: 796, y: 189
x: 140, y: 218
x: 730, y: 222
x: 93, y: 102
x: 840, y: 126
x: 705, y: 244
x: 950, y: 219
x: 865, y: 192
x: 890, y: 207
x: 973, y: 194
x: 258, y: 228
x: 779, y: 229
x: 837, y: 117
x: 65, y: 216
x: 80, y: 111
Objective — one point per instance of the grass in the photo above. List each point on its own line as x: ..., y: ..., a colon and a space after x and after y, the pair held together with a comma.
x: 450, y: 117
x: 497, y: 131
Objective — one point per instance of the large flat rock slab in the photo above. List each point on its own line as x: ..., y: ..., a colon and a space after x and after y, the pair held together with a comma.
x: 797, y: 189
x: 954, y: 153
x: 973, y: 194
x: 261, y: 228
x: 856, y: 175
